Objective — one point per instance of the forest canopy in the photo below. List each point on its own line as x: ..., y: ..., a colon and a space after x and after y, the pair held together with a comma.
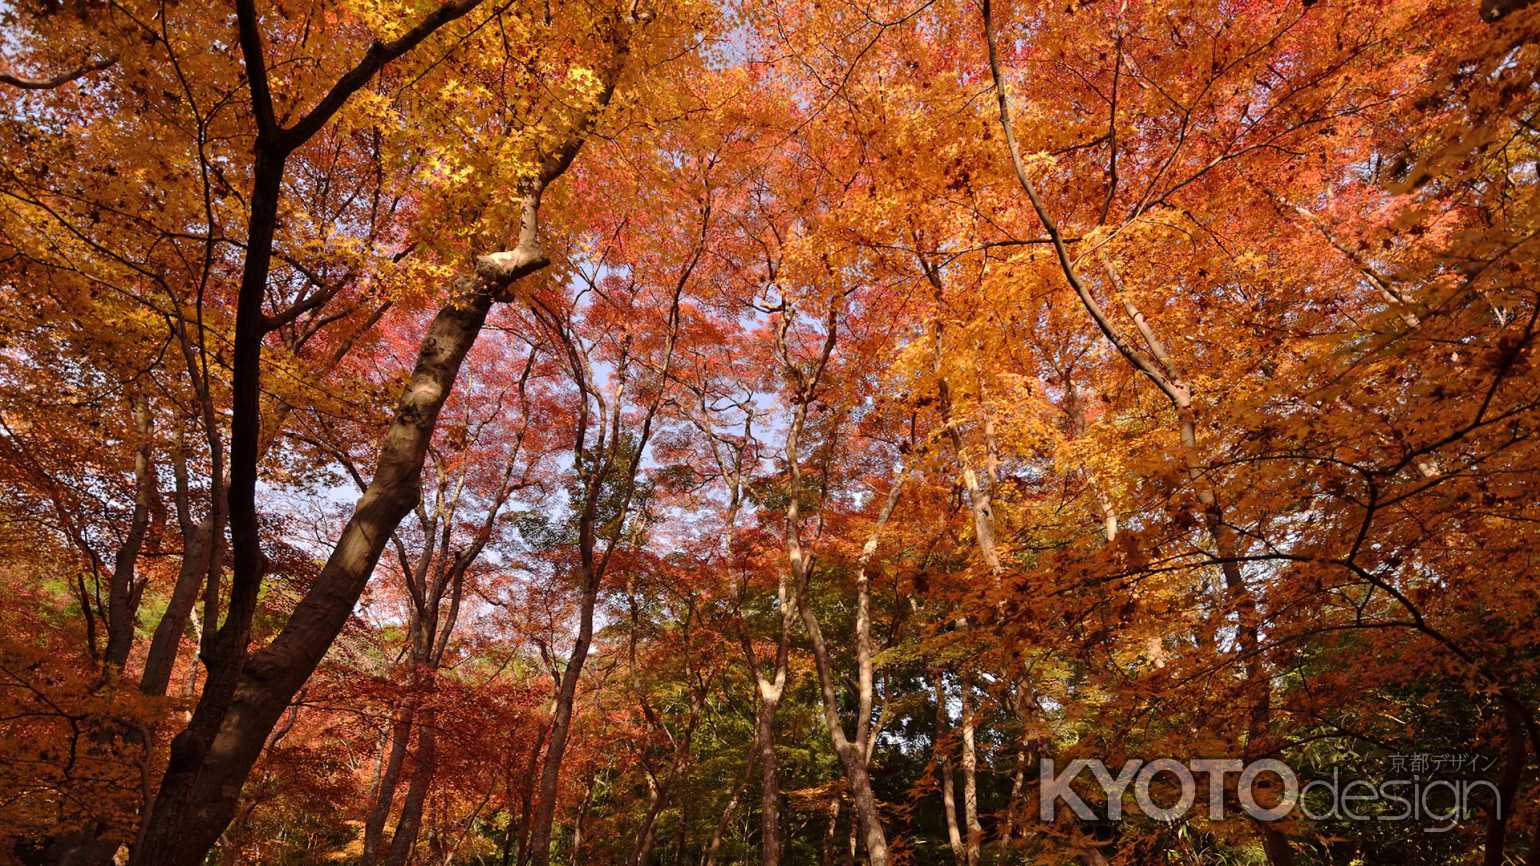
x: 690, y: 433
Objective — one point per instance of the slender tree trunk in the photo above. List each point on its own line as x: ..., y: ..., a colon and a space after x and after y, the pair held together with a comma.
x: 641, y: 853
x: 852, y: 755
x: 561, y: 725
x: 410, y: 824
x: 578, y: 827
x: 1018, y: 789
x: 527, y: 796
x: 122, y: 592
x: 826, y: 847
x: 505, y: 851
x: 385, y: 793
x: 970, y: 775
x: 1025, y: 748
x: 167, y: 640
x: 867, y: 810
x: 944, y: 768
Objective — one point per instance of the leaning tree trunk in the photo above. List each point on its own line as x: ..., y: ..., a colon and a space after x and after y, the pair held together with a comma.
x: 160, y: 662
x: 123, y: 592
x: 245, y: 695
x: 210, y: 760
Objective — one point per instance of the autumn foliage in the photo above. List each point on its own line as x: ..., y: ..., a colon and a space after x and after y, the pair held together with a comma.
x: 775, y: 431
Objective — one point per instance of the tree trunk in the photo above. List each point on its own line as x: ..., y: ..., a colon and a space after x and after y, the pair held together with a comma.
x: 641, y: 853
x: 867, y: 810
x: 770, y: 842
x: 944, y: 768
x: 210, y: 760
x: 122, y: 592
x: 527, y: 796
x: 244, y: 695
x: 561, y: 726
x: 410, y: 824
x: 970, y: 776
x: 385, y: 794
x: 1507, y: 785
x: 167, y: 640
x: 714, y: 847
x: 852, y: 755
x: 826, y: 848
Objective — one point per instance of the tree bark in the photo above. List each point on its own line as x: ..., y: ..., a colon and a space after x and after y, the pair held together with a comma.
x: 410, y: 823
x: 641, y: 853
x: 594, y: 465
x: 527, y: 796
x: 385, y: 793
x: 770, y: 842
x: 970, y: 776
x: 241, y: 703
x: 167, y: 640
x: 714, y: 846
x: 853, y: 753
x: 122, y: 592
x: 561, y: 727
x: 826, y: 847
x: 244, y: 696
x: 1507, y: 785
x: 944, y: 769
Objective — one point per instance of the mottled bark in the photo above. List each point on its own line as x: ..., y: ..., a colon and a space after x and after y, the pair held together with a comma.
x: 975, y: 835
x: 830, y: 832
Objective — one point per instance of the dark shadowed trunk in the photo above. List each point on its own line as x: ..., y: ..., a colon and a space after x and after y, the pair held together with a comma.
x: 243, y: 701
x: 390, y: 777
x: 123, y: 592
x: 410, y: 823
x: 167, y: 639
